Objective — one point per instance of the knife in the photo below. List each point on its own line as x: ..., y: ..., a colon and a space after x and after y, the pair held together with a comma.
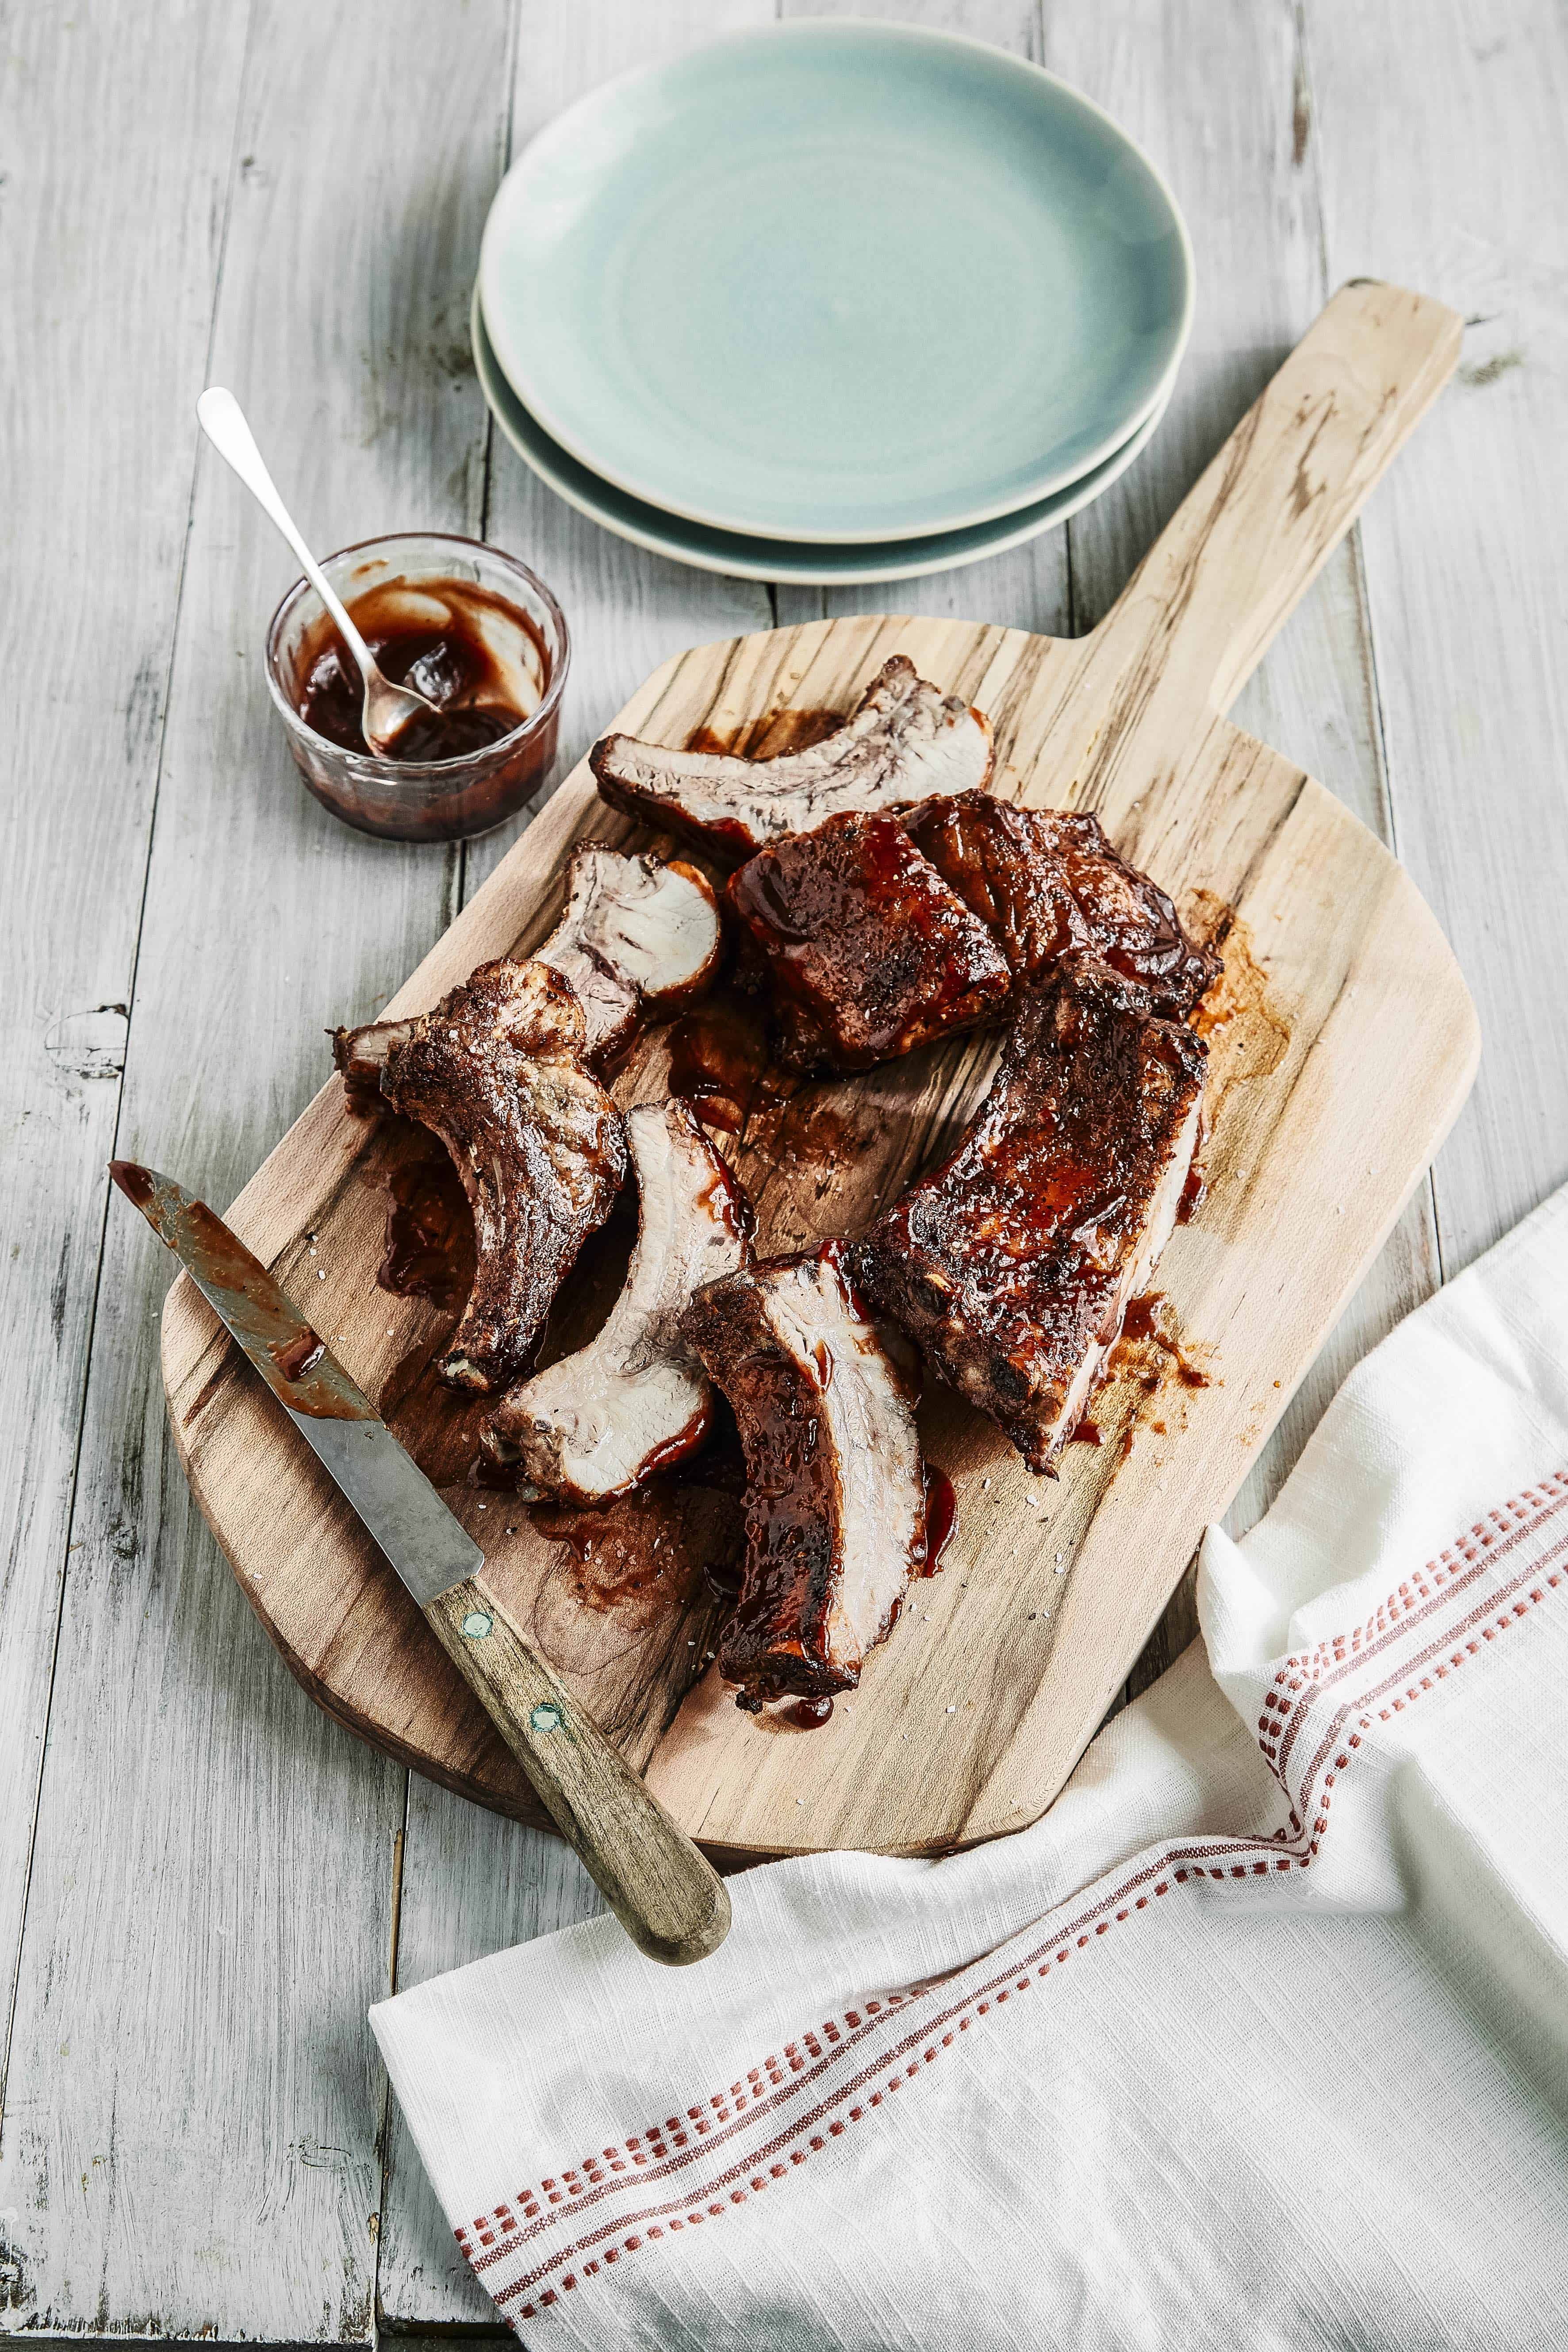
x: 670, y: 1901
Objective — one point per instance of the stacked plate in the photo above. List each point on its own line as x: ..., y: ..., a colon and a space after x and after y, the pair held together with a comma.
x: 832, y: 301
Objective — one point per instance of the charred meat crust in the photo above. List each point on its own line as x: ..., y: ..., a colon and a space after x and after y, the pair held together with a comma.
x: 904, y: 741
x: 634, y: 1400
x: 495, y: 1070
x: 1013, y: 1261
x: 1047, y: 881
x: 835, y: 1513
x: 869, y: 953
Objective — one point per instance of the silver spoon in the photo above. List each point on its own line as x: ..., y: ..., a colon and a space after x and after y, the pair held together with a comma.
x: 388, y: 708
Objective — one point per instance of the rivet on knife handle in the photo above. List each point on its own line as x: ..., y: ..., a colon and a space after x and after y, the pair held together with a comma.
x: 670, y: 1901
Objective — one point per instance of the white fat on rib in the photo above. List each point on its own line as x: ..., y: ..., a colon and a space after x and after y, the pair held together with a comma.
x: 638, y: 938
x: 905, y: 741
x: 869, y: 1421
x: 634, y: 1400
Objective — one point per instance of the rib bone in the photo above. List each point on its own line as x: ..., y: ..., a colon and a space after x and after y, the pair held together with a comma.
x: 904, y: 741
x: 495, y: 1070
x: 634, y: 1400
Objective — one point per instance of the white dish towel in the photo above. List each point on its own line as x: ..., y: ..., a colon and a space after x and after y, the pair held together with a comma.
x: 1259, y: 2038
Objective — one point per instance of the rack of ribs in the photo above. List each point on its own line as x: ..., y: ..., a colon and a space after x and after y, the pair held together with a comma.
x: 835, y: 1510
x: 904, y: 741
x: 869, y: 951
x: 496, y: 1071
x: 1013, y: 1260
x: 634, y: 1400
x: 879, y: 932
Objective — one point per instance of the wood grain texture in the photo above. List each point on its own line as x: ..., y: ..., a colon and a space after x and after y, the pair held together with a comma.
x: 1249, y: 174
x: 81, y: 749
x: 191, y: 2132
x: 472, y: 1882
x: 1331, y: 1083
x: 1465, y: 568
x: 1273, y: 123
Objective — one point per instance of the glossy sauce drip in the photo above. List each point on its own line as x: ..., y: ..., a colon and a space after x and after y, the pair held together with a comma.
x: 942, y: 1515
x: 297, y: 1357
x: 807, y: 1713
x: 1152, y: 1319
x: 670, y: 1544
x: 719, y: 1062
x: 436, y: 637
x: 429, y: 1232
x: 1087, y: 1433
x: 1195, y: 1192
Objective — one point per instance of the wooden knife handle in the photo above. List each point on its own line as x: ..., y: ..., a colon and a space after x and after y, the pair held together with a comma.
x: 670, y: 1901
x: 1253, y: 532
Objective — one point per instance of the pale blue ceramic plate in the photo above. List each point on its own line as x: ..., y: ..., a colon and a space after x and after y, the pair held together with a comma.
x: 837, y: 281
x: 745, y: 557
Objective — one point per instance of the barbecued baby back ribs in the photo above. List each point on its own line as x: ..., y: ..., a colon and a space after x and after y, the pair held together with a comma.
x: 835, y: 1513
x: 869, y: 953
x: 1044, y: 881
x: 495, y: 1071
x: 904, y: 741
x: 1013, y: 1262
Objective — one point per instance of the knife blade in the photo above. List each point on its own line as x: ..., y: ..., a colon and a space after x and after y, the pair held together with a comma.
x: 668, y: 1898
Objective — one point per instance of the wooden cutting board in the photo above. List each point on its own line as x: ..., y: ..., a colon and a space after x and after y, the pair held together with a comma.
x: 1343, y: 1043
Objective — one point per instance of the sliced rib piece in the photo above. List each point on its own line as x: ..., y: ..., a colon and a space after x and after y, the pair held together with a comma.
x: 1046, y: 880
x: 835, y: 1513
x: 868, y: 951
x: 638, y: 939
x: 496, y: 1072
x: 635, y: 1399
x: 904, y: 741
x: 1013, y: 1260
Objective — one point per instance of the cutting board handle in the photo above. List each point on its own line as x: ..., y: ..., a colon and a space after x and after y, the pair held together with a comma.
x: 1250, y: 537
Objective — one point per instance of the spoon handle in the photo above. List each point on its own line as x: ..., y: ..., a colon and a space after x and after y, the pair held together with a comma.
x: 221, y: 419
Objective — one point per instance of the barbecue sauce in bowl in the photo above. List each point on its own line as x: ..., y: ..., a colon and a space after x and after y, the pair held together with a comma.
x: 479, y: 660
x: 470, y: 628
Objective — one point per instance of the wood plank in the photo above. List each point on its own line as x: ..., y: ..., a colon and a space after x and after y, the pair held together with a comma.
x: 88, y: 621
x: 1463, y: 560
x: 471, y: 1882
x: 1246, y: 172
x: 192, y: 2145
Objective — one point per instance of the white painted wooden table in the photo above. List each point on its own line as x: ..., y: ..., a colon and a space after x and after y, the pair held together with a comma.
x: 203, y: 1881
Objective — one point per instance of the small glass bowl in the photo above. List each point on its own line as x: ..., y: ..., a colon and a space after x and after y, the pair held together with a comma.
x: 405, y: 800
